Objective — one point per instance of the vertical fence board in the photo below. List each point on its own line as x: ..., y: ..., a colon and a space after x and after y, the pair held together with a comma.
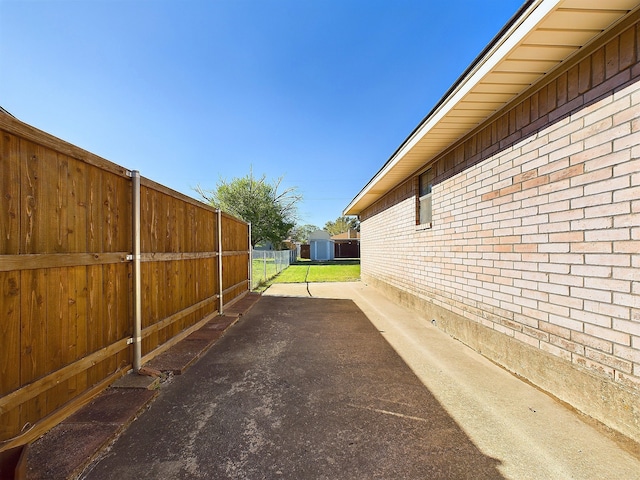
x: 154, y: 312
x: 77, y: 205
x: 153, y: 222
x: 10, y: 199
x: 165, y: 225
x: 59, y: 188
x: 79, y: 315
x: 94, y: 211
x: 49, y: 205
x: 191, y: 229
x: 173, y: 294
x: 30, y: 183
x: 116, y: 226
x: 10, y: 332
x: 57, y: 315
x: 178, y: 227
x: 109, y: 214
x: 95, y: 324
x: 54, y: 320
x: 32, y: 337
x: 110, y: 296
x: 124, y: 314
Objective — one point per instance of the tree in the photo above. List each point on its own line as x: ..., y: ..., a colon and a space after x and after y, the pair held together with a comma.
x: 271, y: 212
x: 301, y: 233
x: 341, y: 225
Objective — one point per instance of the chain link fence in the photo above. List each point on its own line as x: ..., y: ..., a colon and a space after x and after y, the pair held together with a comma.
x: 266, y: 264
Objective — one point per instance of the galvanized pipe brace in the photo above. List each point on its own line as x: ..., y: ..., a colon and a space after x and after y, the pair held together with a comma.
x: 137, y: 288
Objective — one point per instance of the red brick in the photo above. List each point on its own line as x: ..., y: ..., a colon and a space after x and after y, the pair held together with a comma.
x: 566, y: 173
x: 511, y: 189
x: 491, y: 195
x: 535, y: 182
x: 525, y: 176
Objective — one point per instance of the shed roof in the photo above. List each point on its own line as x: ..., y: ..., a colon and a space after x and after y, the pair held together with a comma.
x: 350, y: 235
x: 540, y: 37
x: 319, y: 235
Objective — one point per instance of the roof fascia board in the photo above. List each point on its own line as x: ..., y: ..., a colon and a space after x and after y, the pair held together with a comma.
x: 509, y: 40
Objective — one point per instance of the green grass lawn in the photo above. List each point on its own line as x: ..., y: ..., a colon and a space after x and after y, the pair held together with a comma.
x: 325, y: 272
x: 292, y: 274
x: 263, y: 270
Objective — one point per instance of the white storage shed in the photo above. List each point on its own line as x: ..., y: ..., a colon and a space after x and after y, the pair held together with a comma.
x: 321, y: 245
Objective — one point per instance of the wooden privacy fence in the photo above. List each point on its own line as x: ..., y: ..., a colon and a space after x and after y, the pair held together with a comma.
x: 69, y: 269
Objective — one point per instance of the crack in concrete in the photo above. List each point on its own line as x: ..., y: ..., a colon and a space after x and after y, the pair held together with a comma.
x: 387, y: 412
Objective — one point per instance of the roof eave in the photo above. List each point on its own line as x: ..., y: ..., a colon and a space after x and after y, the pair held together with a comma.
x: 531, y: 15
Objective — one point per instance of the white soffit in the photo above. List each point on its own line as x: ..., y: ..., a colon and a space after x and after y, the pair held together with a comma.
x: 538, y: 41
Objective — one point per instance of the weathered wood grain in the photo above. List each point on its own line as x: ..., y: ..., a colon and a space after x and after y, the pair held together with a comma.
x: 10, y: 347
x: 10, y: 200
x: 35, y: 261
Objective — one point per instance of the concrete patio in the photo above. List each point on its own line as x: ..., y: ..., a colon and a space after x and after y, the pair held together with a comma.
x: 335, y: 381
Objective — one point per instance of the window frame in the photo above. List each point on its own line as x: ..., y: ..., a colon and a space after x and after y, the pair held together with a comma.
x: 424, y: 198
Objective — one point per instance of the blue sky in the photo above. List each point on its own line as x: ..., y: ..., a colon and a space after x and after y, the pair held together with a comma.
x: 187, y: 92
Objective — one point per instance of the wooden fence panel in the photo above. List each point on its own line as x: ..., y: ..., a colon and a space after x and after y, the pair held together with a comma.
x: 235, y: 261
x: 179, y: 258
x: 66, y: 311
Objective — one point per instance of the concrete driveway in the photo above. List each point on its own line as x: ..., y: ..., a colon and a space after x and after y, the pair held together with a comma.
x: 333, y: 381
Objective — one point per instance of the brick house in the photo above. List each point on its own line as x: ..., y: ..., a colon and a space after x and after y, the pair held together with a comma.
x: 511, y: 215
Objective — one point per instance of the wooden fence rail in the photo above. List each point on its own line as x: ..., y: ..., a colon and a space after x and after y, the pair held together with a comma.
x: 66, y: 275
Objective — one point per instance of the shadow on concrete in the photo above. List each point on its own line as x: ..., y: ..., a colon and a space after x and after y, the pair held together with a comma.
x: 298, y: 388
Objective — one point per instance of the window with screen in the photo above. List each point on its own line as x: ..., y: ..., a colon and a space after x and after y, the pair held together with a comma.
x: 424, y: 204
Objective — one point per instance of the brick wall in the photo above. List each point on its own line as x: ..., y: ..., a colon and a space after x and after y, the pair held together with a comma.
x: 536, y: 220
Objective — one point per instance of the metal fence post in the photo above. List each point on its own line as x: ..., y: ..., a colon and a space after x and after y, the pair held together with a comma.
x: 250, y: 260
x: 137, y: 289
x: 220, y: 286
